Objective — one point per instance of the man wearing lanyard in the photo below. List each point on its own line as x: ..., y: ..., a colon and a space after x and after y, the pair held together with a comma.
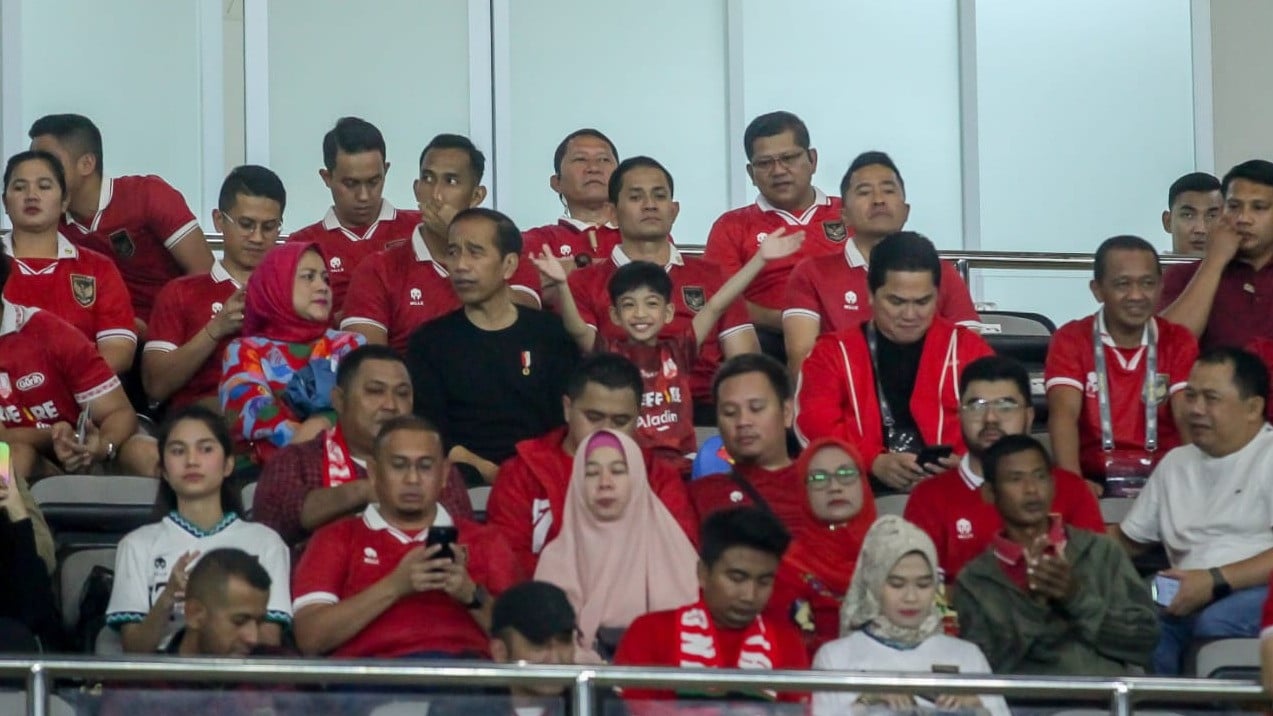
x: 1114, y: 379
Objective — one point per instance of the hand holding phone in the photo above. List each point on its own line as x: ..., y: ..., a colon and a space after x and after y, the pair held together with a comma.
x: 1164, y: 589
x: 444, y: 536
x: 934, y: 454
x: 81, y: 428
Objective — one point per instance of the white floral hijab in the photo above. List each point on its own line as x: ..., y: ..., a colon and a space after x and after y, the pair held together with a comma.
x: 888, y: 540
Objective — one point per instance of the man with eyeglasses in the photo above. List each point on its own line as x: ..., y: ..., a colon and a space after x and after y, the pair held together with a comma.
x: 830, y: 293
x: 781, y: 165
x: 1115, y: 379
x: 196, y: 317
x: 954, y: 508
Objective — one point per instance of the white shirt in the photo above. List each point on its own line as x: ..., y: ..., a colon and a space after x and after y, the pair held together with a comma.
x: 1208, y: 511
x: 145, y: 558
x: 861, y: 652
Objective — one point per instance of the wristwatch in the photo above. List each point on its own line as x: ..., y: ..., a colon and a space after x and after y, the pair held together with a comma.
x: 1220, y: 587
x: 480, y: 597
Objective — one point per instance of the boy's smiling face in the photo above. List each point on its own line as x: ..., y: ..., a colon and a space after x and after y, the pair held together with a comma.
x: 642, y: 313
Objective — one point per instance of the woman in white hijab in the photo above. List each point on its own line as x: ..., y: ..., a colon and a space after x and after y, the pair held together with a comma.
x: 890, y: 621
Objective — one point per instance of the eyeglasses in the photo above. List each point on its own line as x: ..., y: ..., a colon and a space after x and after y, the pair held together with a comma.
x: 821, y: 479
x: 788, y: 160
x: 981, y: 406
x: 249, y: 226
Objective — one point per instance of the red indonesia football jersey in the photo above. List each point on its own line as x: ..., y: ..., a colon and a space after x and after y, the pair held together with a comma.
x: 694, y: 281
x: 736, y: 237
x: 666, y: 423
x: 80, y: 286
x: 48, y: 370
x: 347, y: 248
x: 402, y: 288
x: 139, y: 220
x: 182, y: 310
x: 569, y: 238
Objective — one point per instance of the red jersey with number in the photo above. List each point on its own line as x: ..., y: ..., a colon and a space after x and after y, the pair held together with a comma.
x: 139, y: 221
x: 48, y: 370
x: 951, y: 508
x: 736, y: 237
x: 347, y: 557
x: 80, y: 286
x: 569, y: 238
x: 1071, y: 363
x: 666, y: 422
x: 346, y: 248
x: 833, y: 290
x: 402, y: 288
x: 182, y: 310
x: 694, y: 281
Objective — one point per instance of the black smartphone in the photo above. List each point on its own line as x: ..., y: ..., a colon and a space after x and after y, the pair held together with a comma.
x: 445, y: 536
x: 933, y: 453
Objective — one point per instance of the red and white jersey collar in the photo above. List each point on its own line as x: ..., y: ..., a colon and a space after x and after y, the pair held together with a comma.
x: 422, y: 253
x: 331, y: 223
x: 584, y: 225
x: 376, y: 522
x: 103, y: 199
x: 65, y: 250
x: 853, y: 255
x: 219, y: 274
x: 15, y: 317
x: 1106, y: 339
x: 971, y: 479
x: 618, y: 258
x: 820, y: 199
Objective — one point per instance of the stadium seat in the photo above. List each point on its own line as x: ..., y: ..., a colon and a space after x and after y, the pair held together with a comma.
x: 115, y: 504
x: 73, y: 574
x: 402, y: 708
x: 1228, y: 659
x: 478, y: 496
x: 108, y: 643
x: 247, y: 496
x: 891, y: 504
x: 15, y: 702
x: 1024, y: 336
x: 1114, y: 509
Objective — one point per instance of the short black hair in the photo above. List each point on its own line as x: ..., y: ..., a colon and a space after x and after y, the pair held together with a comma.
x: 399, y: 423
x: 867, y: 159
x: 902, y: 251
x: 627, y: 165
x: 1125, y: 242
x: 560, y: 155
x: 352, y: 135
x: 772, y: 124
x: 477, y: 160
x: 251, y: 180
x: 1250, y: 375
x: 779, y: 378
x: 639, y: 274
x: 54, y: 164
x: 352, y: 362
x: 994, y: 368
x: 742, y: 527
x: 508, y: 238
x: 75, y: 131
x: 214, y: 570
x: 1010, y: 445
x: 608, y: 370
x: 1259, y: 171
x: 1193, y: 181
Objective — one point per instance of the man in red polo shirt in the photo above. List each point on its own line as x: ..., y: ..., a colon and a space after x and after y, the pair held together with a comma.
x: 527, y: 502
x: 1224, y: 299
x: 829, y: 293
x: 395, y: 291
x: 196, y: 317
x: 140, y: 221
x: 952, y: 507
x: 373, y: 585
x: 1112, y: 414
x: 582, y: 166
x: 781, y: 165
x: 641, y: 190
x: 360, y: 221
x: 891, y: 384
x: 752, y: 393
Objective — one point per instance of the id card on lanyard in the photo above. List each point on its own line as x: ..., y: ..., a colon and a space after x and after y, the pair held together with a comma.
x: 1126, y: 470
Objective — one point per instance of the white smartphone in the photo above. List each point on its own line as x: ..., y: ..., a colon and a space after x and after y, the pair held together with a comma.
x: 81, y: 428
x: 1164, y: 589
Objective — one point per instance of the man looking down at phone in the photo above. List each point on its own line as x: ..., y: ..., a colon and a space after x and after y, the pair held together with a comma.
x: 404, y: 578
x: 1047, y: 598
x: 1210, y: 504
x: 890, y: 385
x: 994, y: 395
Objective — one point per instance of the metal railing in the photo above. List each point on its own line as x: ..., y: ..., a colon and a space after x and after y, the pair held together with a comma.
x: 583, y: 682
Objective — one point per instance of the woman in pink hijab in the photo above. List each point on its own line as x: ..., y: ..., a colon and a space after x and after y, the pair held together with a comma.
x: 276, y: 379
x: 620, y: 553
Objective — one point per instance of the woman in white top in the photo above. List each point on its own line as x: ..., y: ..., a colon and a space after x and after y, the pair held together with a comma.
x: 890, y: 622
x: 199, y: 511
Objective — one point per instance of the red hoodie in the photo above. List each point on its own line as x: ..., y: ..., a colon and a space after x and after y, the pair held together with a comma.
x: 836, y: 395
x: 530, y: 493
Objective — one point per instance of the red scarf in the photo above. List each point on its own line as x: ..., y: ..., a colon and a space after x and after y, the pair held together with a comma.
x: 338, y: 466
x: 699, y: 645
x: 268, y: 308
